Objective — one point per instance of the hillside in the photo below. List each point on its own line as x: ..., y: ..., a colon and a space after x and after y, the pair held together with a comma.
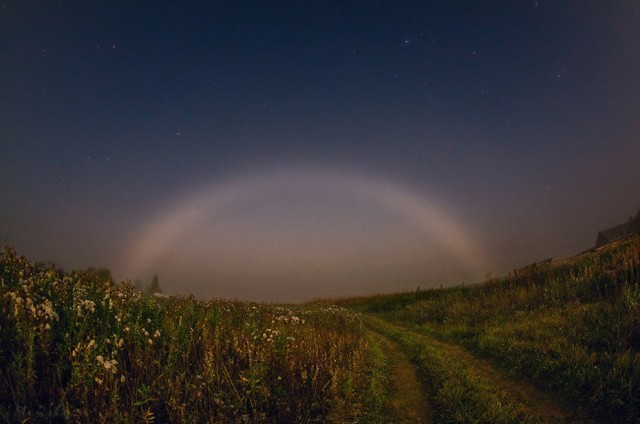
x: 570, y: 328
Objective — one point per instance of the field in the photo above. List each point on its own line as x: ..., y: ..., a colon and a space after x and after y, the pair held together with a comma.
x: 554, y: 342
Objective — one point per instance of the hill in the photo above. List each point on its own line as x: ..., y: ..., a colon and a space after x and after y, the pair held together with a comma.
x: 571, y: 328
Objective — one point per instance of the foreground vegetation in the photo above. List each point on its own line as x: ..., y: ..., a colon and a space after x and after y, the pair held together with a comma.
x: 571, y: 327
x: 79, y: 348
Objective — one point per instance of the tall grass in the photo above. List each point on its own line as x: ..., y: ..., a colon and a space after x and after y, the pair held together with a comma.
x: 76, y: 348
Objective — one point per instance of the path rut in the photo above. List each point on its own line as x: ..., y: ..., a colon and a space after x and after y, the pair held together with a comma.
x: 407, y: 399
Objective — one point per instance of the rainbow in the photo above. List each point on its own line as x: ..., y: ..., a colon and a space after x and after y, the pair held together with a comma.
x: 423, y: 213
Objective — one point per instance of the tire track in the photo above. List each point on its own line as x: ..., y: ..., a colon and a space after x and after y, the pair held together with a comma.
x: 408, y: 402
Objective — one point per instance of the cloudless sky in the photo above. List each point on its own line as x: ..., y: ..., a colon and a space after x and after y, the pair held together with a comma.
x: 518, y: 120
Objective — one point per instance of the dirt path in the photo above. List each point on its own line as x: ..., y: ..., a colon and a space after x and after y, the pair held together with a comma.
x: 407, y: 400
x: 536, y: 402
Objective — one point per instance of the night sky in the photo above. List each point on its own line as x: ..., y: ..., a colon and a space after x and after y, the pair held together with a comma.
x: 281, y: 151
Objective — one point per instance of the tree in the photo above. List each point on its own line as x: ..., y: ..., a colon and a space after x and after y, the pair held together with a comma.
x: 154, y: 287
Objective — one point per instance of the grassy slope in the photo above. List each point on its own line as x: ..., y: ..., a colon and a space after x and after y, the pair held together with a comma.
x: 571, y: 327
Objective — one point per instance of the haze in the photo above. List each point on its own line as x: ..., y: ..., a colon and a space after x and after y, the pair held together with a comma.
x: 285, y: 152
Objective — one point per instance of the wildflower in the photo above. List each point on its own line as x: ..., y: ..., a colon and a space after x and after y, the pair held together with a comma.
x: 122, y: 379
x: 48, y: 310
x: 99, y: 381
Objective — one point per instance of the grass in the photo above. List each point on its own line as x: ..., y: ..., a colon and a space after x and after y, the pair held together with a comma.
x: 378, y: 390
x: 459, y: 395
x: 76, y: 348
x: 572, y: 327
